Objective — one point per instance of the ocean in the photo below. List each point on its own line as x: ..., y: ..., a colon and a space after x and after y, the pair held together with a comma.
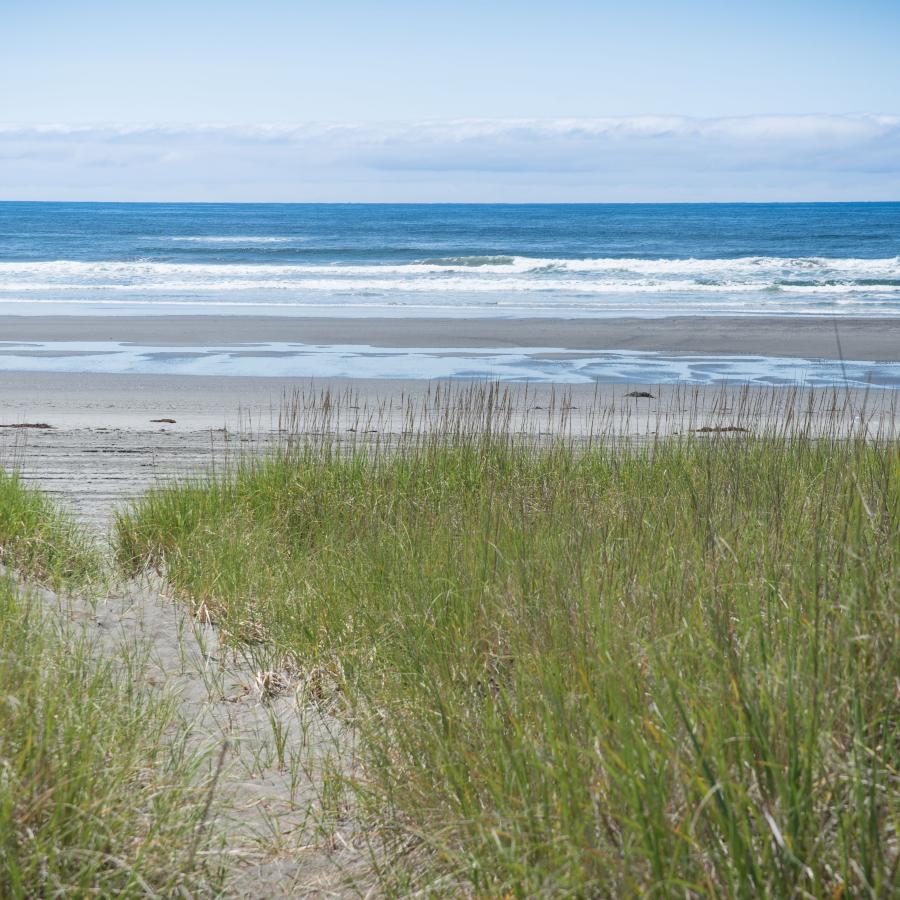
x: 450, y: 260
x: 445, y: 261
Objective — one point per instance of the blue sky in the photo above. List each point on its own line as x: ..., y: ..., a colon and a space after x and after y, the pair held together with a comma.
x: 402, y: 101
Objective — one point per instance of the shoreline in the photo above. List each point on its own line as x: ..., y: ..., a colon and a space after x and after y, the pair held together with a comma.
x: 113, y: 435
x: 871, y: 339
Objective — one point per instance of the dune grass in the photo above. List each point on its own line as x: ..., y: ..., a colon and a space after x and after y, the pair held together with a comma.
x: 42, y: 543
x: 670, y: 668
x: 98, y: 794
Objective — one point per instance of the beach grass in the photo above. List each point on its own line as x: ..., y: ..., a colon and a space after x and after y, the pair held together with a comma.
x: 98, y: 794
x: 42, y: 543
x: 578, y: 667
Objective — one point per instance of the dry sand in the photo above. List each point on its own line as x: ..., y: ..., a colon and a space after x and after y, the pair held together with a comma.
x: 103, y: 446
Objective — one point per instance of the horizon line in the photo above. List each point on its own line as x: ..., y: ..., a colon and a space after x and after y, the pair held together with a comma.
x: 456, y: 202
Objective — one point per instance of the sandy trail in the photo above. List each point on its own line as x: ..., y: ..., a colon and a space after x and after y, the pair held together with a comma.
x: 268, y: 741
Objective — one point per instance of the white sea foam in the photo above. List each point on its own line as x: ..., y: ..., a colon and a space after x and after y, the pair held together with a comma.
x: 596, y: 285
x: 239, y: 239
x: 759, y: 268
x: 505, y: 285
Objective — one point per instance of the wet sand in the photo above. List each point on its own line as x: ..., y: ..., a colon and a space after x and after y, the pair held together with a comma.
x: 806, y: 337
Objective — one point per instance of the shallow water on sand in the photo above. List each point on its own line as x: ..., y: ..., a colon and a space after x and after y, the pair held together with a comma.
x: 535, y: 364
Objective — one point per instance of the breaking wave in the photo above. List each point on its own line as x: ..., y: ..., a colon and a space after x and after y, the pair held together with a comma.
x: 852, y: 286
x: 239, y: 239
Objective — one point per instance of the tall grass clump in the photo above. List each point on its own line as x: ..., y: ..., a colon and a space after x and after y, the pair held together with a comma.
x: 96, y: 793
x: 41, y: 542
x: 662, y: 668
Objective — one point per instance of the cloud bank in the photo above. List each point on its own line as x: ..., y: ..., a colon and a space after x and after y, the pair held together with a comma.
x: 638, y: 158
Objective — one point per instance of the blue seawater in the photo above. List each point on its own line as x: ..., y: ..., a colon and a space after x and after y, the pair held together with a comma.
x: 450, y: 260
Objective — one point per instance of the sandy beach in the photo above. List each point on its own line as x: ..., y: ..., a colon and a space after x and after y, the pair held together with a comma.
x: 105, y: 444
x: 97, y: 442
x: 105, y: 439
x: 111, y: 437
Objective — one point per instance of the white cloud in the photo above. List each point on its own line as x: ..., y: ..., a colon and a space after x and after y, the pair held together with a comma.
x: 802, y: 157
